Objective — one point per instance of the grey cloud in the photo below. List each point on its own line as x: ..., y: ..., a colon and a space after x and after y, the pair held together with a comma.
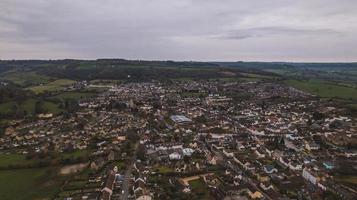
x: 179, y: 29
x: 271, y: 31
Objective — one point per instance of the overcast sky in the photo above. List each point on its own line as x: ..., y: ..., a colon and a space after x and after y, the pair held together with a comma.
x: 202, y: 30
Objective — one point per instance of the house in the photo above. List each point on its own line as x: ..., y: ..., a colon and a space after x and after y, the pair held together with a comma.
x: 175, y: 156
x: 328, y: 165
x: 312, y: 146
x: 306, y: 174
x: 107, y: 191
x: 187, y: 151
x: 269, y: 169
x: 180, y: 119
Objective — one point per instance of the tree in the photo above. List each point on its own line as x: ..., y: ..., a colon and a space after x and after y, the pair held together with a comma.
x: 39, y: 107
x: 141, y: 153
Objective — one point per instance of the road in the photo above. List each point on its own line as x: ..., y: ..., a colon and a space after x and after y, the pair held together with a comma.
x: 236, y: 168
x: 126, y: 182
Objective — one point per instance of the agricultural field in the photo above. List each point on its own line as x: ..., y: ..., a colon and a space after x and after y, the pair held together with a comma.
x: 258, y: 76
x: 325, y: 89
x: 59, y: 84
x: 24, y: 184
x: 28, y: 106
x: 25, y: 79
x: 74, y: 95
x: 14, y: 159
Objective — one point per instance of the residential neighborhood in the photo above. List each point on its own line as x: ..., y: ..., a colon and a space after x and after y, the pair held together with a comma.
x: 207, y: 139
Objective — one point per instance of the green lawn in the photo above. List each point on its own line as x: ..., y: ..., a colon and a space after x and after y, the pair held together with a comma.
x: 52, y: 86
x: 325, y: 89
x: 120, y: 164
x: 24, y: 184
x: 164, y: 169
x: 199, y: 189
x: 76, y: 154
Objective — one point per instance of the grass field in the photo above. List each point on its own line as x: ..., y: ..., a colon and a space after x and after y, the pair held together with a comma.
x: 258, y: 76
x: 76, y: 154
x: 29, y: 107
x: 74, y: 95
x: 164, y: 169
x: 24, y: 184
x: 14, y: 159
x: 52, y: 86
x: 325, y: 89
x: 25, y: 79
x: 200, y: 189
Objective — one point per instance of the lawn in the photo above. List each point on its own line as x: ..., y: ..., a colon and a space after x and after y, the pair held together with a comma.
x: 120, y: 164
x: 76, y: 154
x: 23, y: 184
x: 200, y: 190
x: 59, y: 84
x: 325, y: 89
x: 164, y: 169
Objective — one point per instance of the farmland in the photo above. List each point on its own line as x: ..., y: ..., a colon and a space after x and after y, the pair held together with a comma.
x: 325, y: 89
x: 52, y: 86
x: 28, y: 106
x: 74, y: 95
x: 25, y: 79
x: 23, y: 184
x: 13, y: 159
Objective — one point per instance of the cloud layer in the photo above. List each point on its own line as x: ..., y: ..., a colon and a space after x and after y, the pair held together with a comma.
x: 274, y: 30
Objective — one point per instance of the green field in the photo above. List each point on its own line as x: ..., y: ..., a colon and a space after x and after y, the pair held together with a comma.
x: 258, y: 76
x: 20, y: 161
x: 164, y: 169
x: 25, y: 79
x: 24, y: 184
x: 199, y: 189
x: 325, y: 89
x: 76, y: 154
x: 74, y: 95
x: 59, y: 84
x: 14, y: 159
x: 29, y: 106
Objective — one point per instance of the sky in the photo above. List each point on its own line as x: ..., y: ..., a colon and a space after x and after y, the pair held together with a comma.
x: 199, y: 30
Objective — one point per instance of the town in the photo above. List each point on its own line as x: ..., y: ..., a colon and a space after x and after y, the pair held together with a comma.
x: 198, y: 139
